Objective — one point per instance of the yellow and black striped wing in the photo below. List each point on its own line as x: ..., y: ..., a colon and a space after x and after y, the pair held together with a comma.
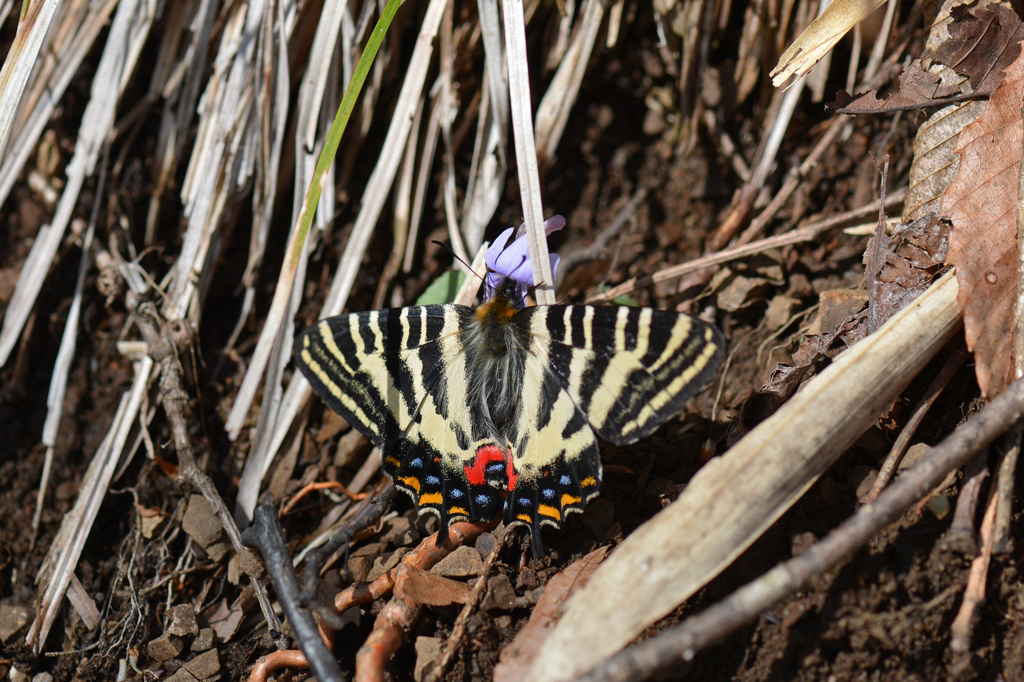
x: 398, y: 376
x: 620, y: 372
x: 628, y: 369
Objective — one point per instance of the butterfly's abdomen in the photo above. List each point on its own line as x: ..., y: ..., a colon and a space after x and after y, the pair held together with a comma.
x: 495, y: 351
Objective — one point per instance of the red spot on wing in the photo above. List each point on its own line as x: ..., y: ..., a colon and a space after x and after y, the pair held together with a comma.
x: 484, y: 456
x: 512, y: 476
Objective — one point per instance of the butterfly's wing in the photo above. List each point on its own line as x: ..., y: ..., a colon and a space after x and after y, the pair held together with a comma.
x: 617, y: 371
x: 394, y: 375
x: 628, y: 369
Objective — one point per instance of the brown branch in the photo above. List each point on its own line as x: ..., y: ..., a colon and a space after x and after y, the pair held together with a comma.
x: 460, y: 623
x: 402, y: 611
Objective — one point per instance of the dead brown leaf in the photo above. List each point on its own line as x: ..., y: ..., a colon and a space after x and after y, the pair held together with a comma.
x: 980, y: 48
x: 912, y: 258
x: 428, y: 589
x: 515, y: 659
x: 981, y: 203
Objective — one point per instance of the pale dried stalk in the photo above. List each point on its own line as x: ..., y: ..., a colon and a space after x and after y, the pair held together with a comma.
x: 377, y: 190
x: 20, y: 60
x: 526, y: 149
x: 129, y: 28
x: 67, y: 546
x: 37, y: 115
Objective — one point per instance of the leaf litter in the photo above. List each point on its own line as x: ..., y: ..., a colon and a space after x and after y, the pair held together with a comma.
x: 638, y: 111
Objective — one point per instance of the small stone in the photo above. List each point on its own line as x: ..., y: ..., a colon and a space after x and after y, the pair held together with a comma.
x: 503, y: 622
x: 385, y: 562
x: 428, y: 651
x: 182, y: 676
x: 780, y: 311
x: 201, y: 523
x: 217, y: 551
x: 204, y: 641
x: 527, y: 579
x: 17, y: 675
x: 485, y: 544
x: 599, y: 517
x: 205, y: 665
x: 250, y: 564
x: 12, y: 619
x: 866, y: 475
x: 462, y: 563
x: 182, y: 621
x: 359, y: 567
x: 165, y: 647
x: 43, y: 677
x: 371, y: 550
x: 499, y: 595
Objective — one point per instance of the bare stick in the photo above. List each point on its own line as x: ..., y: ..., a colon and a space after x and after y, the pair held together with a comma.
x: 899, y: 448
x: 974, y: 595
x: 1004, y: 484
x: 265, y: 534
x: 878, y: 255
x: 681, y: 644
x: 961, y: 536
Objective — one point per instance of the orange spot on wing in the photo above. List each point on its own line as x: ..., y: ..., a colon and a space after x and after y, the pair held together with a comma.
x: 548, y: 510
x: 457, y: 510
x: 431, y: 498
x: 588, y: 482
x: 410, y: 481
x: 525, y: 518
x: 568, y: 500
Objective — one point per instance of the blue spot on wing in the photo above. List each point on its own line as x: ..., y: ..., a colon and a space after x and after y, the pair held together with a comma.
x: 416, y: 463
x: 565, y: 480
x: 433, y: 480
x: 456, y: 493
x: 548, y: 493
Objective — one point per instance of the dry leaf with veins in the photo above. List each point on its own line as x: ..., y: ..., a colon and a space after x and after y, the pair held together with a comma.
x: 969, y: 63
x: 981, y: 203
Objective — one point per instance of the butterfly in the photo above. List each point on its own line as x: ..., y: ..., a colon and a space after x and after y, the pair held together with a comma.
x: 498, y: 408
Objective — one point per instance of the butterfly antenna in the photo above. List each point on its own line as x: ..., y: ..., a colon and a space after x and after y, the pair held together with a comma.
x: 456, y: 257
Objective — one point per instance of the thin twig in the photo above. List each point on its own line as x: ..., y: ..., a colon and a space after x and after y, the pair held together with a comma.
x: 175, y: 401
x: 961, y: 536
x: 803, y: 234
x: 878, y: 255
x: 974, y: 595
x: 899, y: 448
x: 681, y: 644
x: 1005, y: 477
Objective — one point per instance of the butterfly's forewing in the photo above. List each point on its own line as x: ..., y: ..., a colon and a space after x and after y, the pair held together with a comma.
x: 395, y: 376
x: 627, y: 369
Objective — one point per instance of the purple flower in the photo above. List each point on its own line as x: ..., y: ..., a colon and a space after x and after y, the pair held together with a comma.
x: 512, y: 261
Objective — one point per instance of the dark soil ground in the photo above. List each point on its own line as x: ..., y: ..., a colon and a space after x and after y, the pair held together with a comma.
x: 885, y: 615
